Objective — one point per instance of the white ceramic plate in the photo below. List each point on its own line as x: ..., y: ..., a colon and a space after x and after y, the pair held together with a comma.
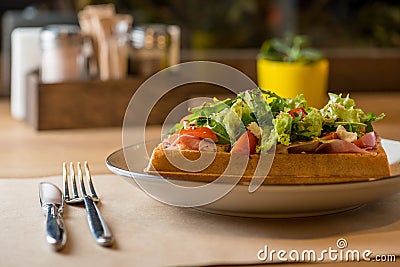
x: 278, y: 200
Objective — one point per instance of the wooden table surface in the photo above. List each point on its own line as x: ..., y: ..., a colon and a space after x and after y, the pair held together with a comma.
x: 25, y: 152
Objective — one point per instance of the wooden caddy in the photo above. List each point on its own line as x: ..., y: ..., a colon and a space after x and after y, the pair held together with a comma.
x: 78, y: 104
x: 96, y: 103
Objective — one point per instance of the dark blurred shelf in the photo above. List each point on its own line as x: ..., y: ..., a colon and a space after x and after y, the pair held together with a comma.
x: 351, y: 69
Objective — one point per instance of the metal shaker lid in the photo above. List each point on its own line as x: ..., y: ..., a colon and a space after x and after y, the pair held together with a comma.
x: 150, y: 36
x: 59, y: 35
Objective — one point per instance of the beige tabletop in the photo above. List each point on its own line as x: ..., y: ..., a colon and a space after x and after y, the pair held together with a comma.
x: 149, y: 233
x: 25, y: 152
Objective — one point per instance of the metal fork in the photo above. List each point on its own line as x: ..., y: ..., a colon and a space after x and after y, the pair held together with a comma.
x: 97, y: 225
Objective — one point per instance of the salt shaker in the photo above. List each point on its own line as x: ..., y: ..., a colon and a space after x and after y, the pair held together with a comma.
x: 62, y: 54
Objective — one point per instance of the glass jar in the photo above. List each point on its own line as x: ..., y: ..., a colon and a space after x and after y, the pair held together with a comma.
x: 62, y: 54
x: 154, y: 47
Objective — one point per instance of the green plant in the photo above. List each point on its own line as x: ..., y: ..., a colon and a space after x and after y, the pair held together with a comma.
x: 292, y: 48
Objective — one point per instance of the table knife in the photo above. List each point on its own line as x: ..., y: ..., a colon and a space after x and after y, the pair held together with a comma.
x: 52, y: 204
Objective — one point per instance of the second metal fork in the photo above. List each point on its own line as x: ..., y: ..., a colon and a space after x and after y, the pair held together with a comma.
x: 97, y: 225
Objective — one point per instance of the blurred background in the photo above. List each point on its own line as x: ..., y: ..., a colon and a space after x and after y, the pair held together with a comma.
x: 349, y: 32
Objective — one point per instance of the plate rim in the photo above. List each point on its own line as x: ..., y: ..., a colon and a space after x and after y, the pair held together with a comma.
x: 130, y: 174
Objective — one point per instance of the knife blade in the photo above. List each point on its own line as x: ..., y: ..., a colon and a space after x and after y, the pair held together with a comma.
x: 52, y: 204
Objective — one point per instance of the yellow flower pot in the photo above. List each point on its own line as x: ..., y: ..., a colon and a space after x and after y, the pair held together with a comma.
x: 288, y: 79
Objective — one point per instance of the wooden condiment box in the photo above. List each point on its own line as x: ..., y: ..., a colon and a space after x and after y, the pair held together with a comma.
x: 78, y: 104
x: 96, y: 103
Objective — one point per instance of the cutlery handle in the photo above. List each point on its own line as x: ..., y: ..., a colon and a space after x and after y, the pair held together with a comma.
x: 55, y: 233
x: 97, y: 225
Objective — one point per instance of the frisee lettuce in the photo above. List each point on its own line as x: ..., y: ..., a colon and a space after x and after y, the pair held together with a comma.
x: 298, y: 101
x: 341, y: 111
x: 283, y: 127
x: 310, y: 125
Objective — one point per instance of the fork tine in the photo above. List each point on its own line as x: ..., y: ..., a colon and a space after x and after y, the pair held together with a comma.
x: 80, y: 178
x: 89, y: 179
x: 73, y: 179
x: 65, y: 182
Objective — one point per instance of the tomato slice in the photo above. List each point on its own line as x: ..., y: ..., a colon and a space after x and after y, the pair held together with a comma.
x: 297, y: 112
x: 330, y: 136
x: 246, y: 144
x: 199, y: 132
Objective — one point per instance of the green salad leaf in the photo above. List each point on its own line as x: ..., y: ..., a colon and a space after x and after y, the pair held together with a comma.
x: 231, y: 122
x: 257, y: 102
x: 298, y: 101
x: 176, y: 128
x: 258, y: 105
x: 370, y: 118
x: 283, y: 127
x: 243, y: 111
x: 210, y: 108
x: 275, y: 102
x: 310, y: 125
x: 341, y: 111
x: 219, y: 130
x: 346, y: 102
x: 276, y: 120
